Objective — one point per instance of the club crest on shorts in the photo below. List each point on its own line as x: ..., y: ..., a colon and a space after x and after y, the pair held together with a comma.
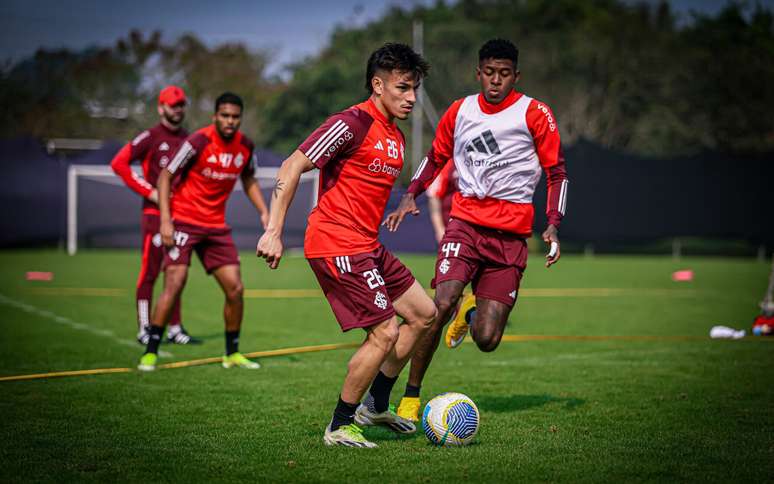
x: 380, y: 300
x: 156, y: 240
x: 174, y: 253
x: 444, y: 266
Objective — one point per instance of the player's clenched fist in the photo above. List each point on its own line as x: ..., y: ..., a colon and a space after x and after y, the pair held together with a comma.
x: 167, y: 231
x: 270, y: 248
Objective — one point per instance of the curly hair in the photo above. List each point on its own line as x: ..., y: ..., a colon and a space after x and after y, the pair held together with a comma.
x: 499, y: 49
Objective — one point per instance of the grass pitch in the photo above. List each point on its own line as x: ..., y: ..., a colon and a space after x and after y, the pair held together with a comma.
x: 655, y: 409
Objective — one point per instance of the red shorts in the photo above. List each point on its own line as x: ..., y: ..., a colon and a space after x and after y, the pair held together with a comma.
x: 360, y: 288
x: 492, y: 259
x: 215, y: 247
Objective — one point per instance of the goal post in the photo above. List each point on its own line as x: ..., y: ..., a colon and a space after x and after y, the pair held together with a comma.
x: 116, y: 203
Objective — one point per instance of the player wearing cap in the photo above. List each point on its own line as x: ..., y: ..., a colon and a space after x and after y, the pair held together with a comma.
x: 153, y: 148
x: 359, y: 153
x: 208, y: 164
x: 500, y: 142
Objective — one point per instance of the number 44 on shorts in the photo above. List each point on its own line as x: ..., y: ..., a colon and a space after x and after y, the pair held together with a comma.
x: 451, y: 248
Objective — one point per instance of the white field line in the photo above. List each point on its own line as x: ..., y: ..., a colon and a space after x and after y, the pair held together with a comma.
x: 88, y: 328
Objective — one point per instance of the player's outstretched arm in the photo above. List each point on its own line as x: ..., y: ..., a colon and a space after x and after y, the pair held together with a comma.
x: 166, y: 229
x: 270, y: 244
x: 253, y: 192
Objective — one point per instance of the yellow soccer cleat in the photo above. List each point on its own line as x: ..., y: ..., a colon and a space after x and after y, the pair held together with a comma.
x: 238, y: 360
x: 458, y: 328
x: 409, y: 408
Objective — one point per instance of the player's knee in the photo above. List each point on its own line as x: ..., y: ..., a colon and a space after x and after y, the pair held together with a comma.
x: 385, y: 335
x: 235, y: 292
x: 445, y: 305
x: 487, y: 340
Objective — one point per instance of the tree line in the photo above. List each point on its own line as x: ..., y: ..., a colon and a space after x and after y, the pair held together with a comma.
x: 635, y: 78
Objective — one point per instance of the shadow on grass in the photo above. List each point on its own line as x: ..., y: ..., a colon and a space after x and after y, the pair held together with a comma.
x: 516, y: 403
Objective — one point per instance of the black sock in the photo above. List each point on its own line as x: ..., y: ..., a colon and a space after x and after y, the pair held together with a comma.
x: 232, y: 342
x: 154, y: 340
x: 380, y: 391
x: 343, y: 415
x: 412, y: 391
x: 469, y: 315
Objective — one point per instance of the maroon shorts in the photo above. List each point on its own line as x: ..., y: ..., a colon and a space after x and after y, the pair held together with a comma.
x: 215, y: 247
x: 361, y: 288
x: 492, y: 259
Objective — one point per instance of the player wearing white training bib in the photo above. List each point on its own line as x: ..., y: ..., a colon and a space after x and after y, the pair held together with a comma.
x: 500, y: 141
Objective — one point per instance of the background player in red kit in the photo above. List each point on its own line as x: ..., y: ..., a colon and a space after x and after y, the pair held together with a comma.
x: 500, y: 142
x: 153, y: 148
x: 359, y: 153
x: 209, y: 163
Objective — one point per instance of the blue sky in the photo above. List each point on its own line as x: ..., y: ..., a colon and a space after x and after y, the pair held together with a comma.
x: 291, y: 29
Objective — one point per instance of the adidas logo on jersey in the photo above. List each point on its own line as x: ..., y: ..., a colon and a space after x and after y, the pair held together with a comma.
x: 484, y: 143
x: 164, y: 146
x: 212, y: 159
x: 379, y: 145
x: 513, y: 294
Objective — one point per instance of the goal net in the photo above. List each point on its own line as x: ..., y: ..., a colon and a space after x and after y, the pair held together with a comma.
x: 103, y: 213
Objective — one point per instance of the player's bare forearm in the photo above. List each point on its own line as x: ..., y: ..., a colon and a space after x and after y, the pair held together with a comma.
x: 436, y: 217
x: 163, y: 186
x: 551, y: 237
x: 270, y: 244
x: 253, y: 192
x: 407, y: 206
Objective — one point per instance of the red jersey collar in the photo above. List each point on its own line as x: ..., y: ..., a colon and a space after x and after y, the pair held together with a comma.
x: 375, y: 113
x: 489, y: 108
x: 215, y: 136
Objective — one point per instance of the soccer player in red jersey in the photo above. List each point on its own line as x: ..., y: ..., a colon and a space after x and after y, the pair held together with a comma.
x: 359, y: 153
x: 154, y: 147
x: 208, y: 164
x: 500, y: 142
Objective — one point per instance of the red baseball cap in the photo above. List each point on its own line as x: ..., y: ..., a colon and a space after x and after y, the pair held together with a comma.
x: 171, y: 95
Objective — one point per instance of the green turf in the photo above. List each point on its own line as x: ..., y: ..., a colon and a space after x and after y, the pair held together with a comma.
x: 617, y: 411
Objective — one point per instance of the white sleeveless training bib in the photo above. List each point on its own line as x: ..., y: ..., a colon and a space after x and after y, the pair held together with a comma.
x: 494, y: 153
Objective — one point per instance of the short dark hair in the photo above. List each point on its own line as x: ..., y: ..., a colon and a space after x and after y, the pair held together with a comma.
x: 394, y: 56
x: 499, y: 49
x: 229, y: 98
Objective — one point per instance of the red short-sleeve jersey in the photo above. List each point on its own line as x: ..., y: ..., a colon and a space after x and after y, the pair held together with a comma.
x: 209, y: 167
x: 360, y: 155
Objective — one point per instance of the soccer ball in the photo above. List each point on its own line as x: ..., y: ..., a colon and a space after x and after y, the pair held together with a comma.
x: 450, y: 419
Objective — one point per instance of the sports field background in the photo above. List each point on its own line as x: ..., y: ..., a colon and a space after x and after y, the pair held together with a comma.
x: 660, y: 408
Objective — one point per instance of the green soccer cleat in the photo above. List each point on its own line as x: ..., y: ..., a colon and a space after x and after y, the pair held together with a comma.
x: 388, y: 418
x: 347, y: 435
x: 148, y: 362
x: 239, y: 360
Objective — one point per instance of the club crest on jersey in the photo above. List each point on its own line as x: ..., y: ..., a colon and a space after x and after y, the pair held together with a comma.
x: 239, y: 160
x: 164, y: 146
